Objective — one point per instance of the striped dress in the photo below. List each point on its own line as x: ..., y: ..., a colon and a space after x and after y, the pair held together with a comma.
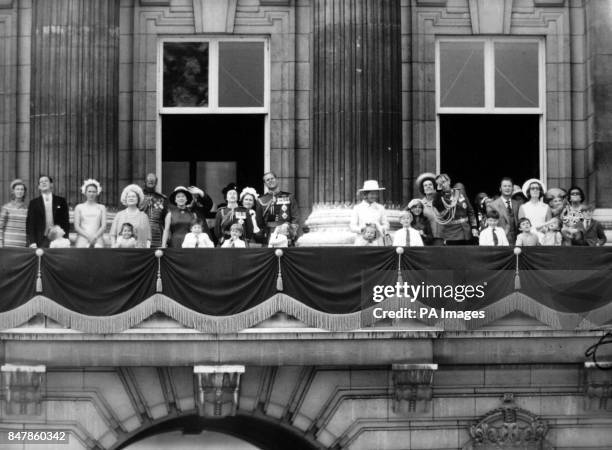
x: 13, y: 224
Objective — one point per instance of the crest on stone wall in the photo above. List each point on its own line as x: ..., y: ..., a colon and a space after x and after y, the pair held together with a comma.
x: 509, y: 427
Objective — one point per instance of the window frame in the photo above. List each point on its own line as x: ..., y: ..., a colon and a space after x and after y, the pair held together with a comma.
x: 489, y: 76
x: 213, y: 76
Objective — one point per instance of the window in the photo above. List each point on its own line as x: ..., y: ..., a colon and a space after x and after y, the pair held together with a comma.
x: 490, y: 75
x: 213, y: 75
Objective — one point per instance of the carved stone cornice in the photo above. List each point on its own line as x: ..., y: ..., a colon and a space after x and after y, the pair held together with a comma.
x: 23, y: 388
x: 218, y: 389
x: 598, y: 385
x: 412, y: 387
x: 509, y: 427
x: 214, y: 16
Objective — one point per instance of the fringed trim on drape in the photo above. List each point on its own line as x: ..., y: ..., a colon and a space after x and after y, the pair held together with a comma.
x: 597, y: 318
x: 283, y: 303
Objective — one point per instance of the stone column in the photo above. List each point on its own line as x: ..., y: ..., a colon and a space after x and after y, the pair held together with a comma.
x: 75, y: 91
x: 356, y: 98
x: 599, y: 152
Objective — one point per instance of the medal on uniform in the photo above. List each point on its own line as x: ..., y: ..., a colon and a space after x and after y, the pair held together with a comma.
x: 284, y: 208
x: 240, y: 221
x: 284, y: 215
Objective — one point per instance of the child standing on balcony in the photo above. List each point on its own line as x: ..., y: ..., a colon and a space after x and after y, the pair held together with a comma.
x: 526, y: 238
x: 196, y: 238
x: 126, y: 238
x: 492, y: 235
x: 56, y: 236
x: 369, y: 211
x: 234, y: 240
x: 551, y: 234
x: 370, y: 237
x: 407, y: 236
x: 280, y: 236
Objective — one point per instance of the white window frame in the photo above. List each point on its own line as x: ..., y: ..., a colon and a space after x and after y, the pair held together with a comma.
x: 213, y: 88
x: 489, y: 86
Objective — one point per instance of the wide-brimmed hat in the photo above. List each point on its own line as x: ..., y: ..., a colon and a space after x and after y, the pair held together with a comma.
x: 527, y: 183
x: 178, y: 190
x: 422, y: 178
x: 17, y: 182
x: 370, y: 185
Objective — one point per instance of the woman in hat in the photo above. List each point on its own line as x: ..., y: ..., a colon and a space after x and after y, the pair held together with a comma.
x: 369, y: 211
x: 534, y: 208
x: 90, y: 217
x: 178, y: 219
x: 426, y: 184
x: 419, y: 221
x: 13, y: 217
x: 230, y: 214
x: 132, y: 197
x: 254, y: 235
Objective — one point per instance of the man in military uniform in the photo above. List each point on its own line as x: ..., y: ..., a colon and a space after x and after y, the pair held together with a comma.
x: 278, y: 207
x: 155, y: 206
x: 455, y: 213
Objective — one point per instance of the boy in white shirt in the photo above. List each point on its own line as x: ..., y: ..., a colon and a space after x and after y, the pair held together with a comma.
x: 407, y: 236
x: 492, y: 235
x: 197, y: 238
x: 234, y: 241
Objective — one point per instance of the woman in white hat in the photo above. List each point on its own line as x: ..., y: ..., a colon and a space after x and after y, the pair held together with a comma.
x: 13, y: 217
x: 90, y: 217
x: 132, y: 197
x: 534, y: 208
x: 369, y: 211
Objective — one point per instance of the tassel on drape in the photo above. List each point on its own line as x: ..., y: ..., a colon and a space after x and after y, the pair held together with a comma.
x: 517, y: 278
x: 158, y: 255
x: 400, y: 252
x: 39, y: 253
x: 279, y: 278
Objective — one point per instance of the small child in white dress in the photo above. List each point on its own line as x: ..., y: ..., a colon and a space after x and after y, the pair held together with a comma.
x: 196, y: 238
x: 56, y: 236
x: 234, y: 241
x: 551, y: 234
x: 280, y: 236
x: 126, y: 238
x: 369, y: 237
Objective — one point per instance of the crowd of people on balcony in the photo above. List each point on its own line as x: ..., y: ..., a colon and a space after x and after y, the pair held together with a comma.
x: 525, y: 216
x: 150, y: 219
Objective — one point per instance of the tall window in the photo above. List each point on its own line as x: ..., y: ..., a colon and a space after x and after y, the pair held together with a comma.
x: 490, y: 104
x: 213, y: 103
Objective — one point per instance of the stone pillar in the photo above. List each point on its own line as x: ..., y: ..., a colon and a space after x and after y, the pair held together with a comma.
x: 599, y: 156
x: 356, y: 98
x: 75, y: 91
x: 412, y: 387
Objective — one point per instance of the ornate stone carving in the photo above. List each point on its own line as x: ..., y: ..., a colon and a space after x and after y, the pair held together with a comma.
x: 509, y: 427
x: 23, y: 388
x: 598, y: 385
x: 412, y: 387
x: 490, y: 16
x: 217, y: 390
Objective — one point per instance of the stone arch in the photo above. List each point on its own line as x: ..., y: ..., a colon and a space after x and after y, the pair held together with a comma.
x: 257, y: 429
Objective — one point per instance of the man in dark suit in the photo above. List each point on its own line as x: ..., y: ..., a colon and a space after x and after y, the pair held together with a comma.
x: 507, y: 209
x: 44, y: 212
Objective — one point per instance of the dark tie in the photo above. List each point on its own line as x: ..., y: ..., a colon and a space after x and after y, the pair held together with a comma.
x: 509, y: 206
x: 197, y: 243
x: 407, y: 237
x: 233, y: 244
x: 495, y: 240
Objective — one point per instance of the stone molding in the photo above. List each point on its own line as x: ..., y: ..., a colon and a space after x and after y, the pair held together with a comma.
x: 490, y: 16
x: 214, y: 16
x: 218, y: 389
x: 412, y: 387
x: 23, y: 388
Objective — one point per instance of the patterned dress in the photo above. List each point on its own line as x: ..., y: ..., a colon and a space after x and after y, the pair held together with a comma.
x: 13, y: 224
